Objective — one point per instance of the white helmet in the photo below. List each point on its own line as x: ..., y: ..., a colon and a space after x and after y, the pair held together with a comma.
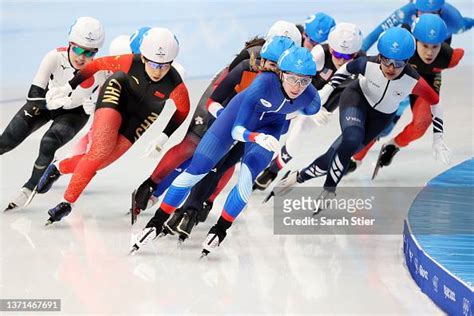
x: 87, y: 32
x: 159, y: 45
x: 120, y: 45
x: 346, y: 38
x: 284, y: 28
x: 180, y: 69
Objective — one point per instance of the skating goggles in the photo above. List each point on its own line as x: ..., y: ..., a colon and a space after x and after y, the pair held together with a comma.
x: 82, y: 51
x: 341, y: 55
x: 161, y: 66
x: 389, y: 61
x: 293, y: 80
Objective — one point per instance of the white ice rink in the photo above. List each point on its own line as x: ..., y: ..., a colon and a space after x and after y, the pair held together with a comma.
x: 83, y: 259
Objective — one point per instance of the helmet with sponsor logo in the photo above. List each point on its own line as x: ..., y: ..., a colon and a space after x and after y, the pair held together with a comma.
x: 297, y: 60
x: 346, y: 38
x: 318, y: 26
x: 275, y: 46
x: 284, y: 28
x: 136, y: 39
x: 87, y: 32
x: 396, y: 43
x: 159, y: 45
x: 120, y: 45
x: 430, y: 29
x: 429, y: 5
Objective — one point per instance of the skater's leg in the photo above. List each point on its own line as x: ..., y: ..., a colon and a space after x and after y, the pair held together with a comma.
x: 210, y: 150
x: 65, y: 126
x: 26, y: 121
x: 421, y: 120
x: 106, y: 145
x: 174, y: 157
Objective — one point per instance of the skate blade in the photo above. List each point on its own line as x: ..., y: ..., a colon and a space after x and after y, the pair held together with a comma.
x: 162, y: 234
x: 31, y: 197
x: 268, y: 197
x: 49, y: 222
x: 204, y: 254
x: 376, y: 170
x: 133, y: 250
x: 133, y: 215
x: 10, y: 206
x: 316, y: 212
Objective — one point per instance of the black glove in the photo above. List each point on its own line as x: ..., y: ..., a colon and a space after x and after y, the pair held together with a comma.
x: 144, y: 192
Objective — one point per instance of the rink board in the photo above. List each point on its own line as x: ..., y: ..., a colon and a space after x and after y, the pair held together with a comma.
x: 438, y: 240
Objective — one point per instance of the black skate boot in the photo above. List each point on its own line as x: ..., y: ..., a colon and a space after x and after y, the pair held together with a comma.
x: 187, y: 224
x: 171, y: 226
x: 264, y: 179
x: 50, y: 176
x: 143, y: 193
x: 204, y: 212
x: 387, y: 152
x: 215, y: 236
x: 57, y: 213
x: 352, y: 166
x: 213, y: 240
x: 151, y: 231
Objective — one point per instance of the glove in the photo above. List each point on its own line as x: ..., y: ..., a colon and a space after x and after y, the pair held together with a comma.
x: 325, y: 92
x: 440, y: 149
x: 57, y: 97
x: 89, y: 106
x: 322, y: 117
x: 156, y: 146
x: 215, y: 108
x: 268, y: 142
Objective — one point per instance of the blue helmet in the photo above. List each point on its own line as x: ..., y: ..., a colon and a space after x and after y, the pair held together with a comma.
x: 136, y: 39
x: 275, y: 46
x: 318, y: 26
x: 429, y: 5
x: 430, y: 29
x: 297, y: 60
x: 396, y: 43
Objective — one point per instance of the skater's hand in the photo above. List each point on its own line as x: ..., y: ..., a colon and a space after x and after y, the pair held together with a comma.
x: 324, y: 93
x: 156, y: 146
x: 268, y: 142
x: 322, y: 117
x: 57, y: 97
x: 440, y: 149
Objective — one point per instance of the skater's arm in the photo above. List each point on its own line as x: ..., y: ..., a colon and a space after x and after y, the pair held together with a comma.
x: 226, y: 88
x: 423, y: 90
x: 458, y: 54
x: 247, y: 111
x: 110, y: 63
x: 312, y: 100
x: 357, y: 66
x: 48, y: 65
x: 392, y: 20
x: 180, y: 97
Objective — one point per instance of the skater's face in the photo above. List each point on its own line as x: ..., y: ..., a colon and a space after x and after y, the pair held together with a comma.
x: 294, y: 84
x: 391, y: 68
x: 427, y: 52
x: 156, y: 71
x: 80, y: 56
x: 308, y: 42
x: 268, y: 65
x: 340, y: 59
